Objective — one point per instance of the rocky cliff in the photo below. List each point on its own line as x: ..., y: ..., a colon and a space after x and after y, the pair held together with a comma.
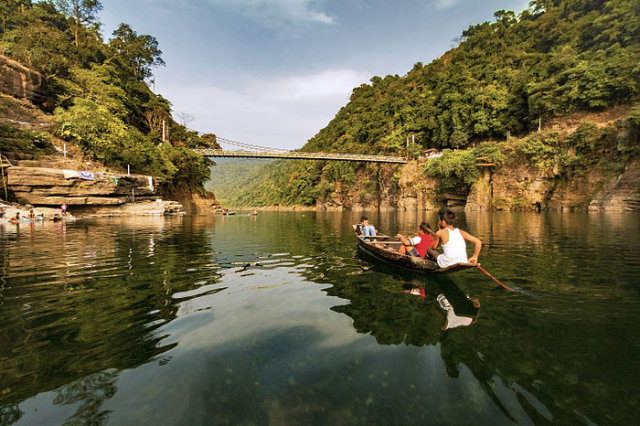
x: 21, y: 82
x: 49, y: 187
x: 519, y: 187
x: 396, y: 188
x: 590, y: 168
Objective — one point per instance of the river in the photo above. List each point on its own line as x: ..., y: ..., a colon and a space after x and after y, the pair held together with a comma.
x: 279, y: 319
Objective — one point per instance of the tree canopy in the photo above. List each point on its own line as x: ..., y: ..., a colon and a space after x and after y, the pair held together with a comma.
x: 98, y: 90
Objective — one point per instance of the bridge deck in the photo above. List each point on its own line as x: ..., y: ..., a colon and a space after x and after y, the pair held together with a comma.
x: 296, y: 155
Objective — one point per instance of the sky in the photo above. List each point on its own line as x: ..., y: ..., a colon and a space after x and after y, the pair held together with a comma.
x: 275, y: 72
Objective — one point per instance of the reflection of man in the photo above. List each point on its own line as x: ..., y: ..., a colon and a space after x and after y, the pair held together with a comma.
x: 461, y: 310
x: 461, y: 319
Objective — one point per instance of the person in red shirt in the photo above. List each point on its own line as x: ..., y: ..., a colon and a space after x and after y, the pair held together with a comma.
x: 418, y: 245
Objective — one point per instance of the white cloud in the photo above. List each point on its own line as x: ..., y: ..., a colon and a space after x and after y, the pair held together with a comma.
x: 277, y: 12
x: 281, y: 112
x: 313, y: 87
x: 446, y: 4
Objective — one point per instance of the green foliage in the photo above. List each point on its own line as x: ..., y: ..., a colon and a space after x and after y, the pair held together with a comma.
x: 455, y: 169
x: 24, y: 141
x: 539, y: 150
x: 633, y: 120
x: 139, y: 52
x: 104, y: 137
x: 82, y: 12
x: 96, y: 131
x: 459, y: 169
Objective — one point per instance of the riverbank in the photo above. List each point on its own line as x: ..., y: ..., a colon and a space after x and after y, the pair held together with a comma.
x: 143, y: 208
x: 39, y: 170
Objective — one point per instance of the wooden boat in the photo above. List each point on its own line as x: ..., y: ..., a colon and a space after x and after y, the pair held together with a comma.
x: 385, y: 248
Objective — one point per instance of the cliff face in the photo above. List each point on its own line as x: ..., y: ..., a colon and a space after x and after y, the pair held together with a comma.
x: 513, y: 188
x: 402, y: 188
x: 21, y: 82
x: 581, y: 168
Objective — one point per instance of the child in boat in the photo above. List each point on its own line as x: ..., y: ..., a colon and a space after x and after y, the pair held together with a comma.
x: 453, y: 242
x: 365, y: 228
x: 418, y: 245
x: 368, y: 230
x: 32, y: 214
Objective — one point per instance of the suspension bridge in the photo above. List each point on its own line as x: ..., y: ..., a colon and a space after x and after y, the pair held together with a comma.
x: 245, y: 150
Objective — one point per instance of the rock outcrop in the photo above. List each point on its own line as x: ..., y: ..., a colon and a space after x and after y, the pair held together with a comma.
x: 511, y: 188
x: 620, y: 194
x: 21, y: 82
x: 49, y: 187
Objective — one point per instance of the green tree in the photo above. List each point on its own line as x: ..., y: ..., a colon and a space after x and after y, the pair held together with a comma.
x: 11, y: 10
x: 209, y: 140
x: 83, y: 12
x: 139, y: 52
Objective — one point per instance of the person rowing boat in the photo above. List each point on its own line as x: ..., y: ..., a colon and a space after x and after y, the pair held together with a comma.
x: 453, y: 242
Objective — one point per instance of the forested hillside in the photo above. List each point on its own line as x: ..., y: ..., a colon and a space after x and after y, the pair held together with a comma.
x: 504, y: 78
x: 97, y: 91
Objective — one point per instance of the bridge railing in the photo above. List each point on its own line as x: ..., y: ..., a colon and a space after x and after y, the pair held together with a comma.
x: 298, y: 155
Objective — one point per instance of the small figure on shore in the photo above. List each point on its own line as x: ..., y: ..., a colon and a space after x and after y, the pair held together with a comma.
x: 3, y: 212
x: 63, y: 209
x: 453, y: 242
x: 418, y: 245
x: 15, y: 218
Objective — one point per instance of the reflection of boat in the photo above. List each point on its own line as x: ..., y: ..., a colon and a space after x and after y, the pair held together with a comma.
x: 386, y: 249
x: 32, y: 219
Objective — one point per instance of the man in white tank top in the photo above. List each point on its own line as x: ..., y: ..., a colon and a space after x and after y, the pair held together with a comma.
x: 453, y: 242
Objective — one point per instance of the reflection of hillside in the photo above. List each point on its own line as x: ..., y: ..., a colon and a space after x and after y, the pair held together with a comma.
x: 88, y: 298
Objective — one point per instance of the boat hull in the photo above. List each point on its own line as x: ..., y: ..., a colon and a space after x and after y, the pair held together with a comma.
x: 387, y: 253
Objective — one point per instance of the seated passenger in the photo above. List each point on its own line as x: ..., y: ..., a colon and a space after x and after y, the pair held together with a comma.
x: 453, y: 242
x: 365, y: 228
x: 418, y: 245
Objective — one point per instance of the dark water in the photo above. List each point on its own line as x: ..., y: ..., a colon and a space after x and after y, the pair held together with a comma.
x: 273, y: 320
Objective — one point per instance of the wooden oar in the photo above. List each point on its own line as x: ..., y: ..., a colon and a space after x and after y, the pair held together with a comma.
x: 493, y: 278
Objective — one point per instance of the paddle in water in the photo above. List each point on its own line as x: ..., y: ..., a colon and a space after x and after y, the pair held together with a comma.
x: 495, y: 279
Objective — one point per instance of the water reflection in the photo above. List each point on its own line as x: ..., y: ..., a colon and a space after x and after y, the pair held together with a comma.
x: 81, y: 302
x: 461, y: 310
x: 271, y: 319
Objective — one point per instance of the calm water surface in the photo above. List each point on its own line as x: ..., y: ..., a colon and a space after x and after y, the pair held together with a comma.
x: 279, y: 320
